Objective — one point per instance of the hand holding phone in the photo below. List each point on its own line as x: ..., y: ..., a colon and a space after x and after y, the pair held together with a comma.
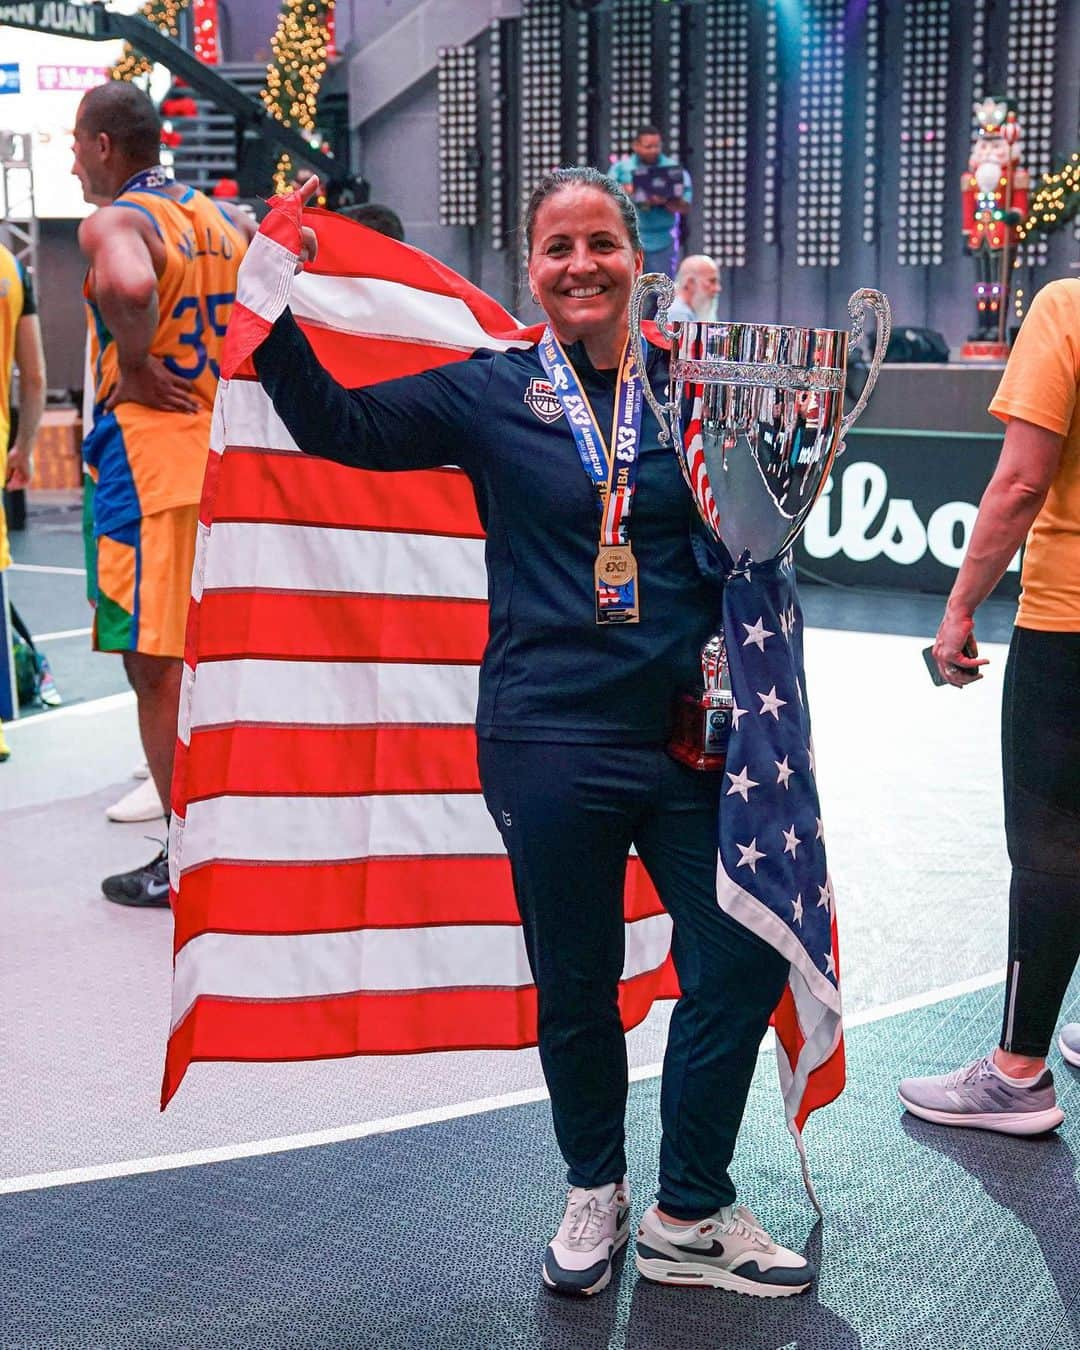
x: 969, y: 649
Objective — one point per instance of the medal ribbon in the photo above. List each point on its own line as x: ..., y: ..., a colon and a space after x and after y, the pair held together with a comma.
x: 611, y: 467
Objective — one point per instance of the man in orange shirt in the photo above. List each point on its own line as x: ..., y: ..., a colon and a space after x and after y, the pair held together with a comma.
x: 160, y: 285
x: 1036, y: 488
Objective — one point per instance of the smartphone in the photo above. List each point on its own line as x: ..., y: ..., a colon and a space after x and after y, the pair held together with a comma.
x: 969, y: 649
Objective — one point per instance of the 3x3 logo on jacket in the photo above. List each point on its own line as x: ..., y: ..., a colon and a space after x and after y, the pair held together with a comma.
x: 542, y: 400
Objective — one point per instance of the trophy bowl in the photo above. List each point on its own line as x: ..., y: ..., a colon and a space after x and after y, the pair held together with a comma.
x: 756, y: 415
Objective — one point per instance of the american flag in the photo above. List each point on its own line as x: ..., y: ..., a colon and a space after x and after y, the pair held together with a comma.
x: 773, y: 876
x: 338, y: 886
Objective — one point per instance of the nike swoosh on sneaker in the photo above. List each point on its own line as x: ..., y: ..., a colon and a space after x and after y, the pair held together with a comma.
x: 156, y: 888
x: 713, y: 1249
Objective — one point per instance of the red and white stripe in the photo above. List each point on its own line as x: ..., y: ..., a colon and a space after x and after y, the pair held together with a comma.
x: 339, y: 888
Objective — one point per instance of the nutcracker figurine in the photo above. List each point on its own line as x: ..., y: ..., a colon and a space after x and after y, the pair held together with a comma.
x: 995, y: 196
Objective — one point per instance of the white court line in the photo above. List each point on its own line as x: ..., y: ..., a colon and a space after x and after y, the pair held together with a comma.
x: 64, y: 633
x: 257, y: 1148
x: 40, y: 567
x: 88, y: 709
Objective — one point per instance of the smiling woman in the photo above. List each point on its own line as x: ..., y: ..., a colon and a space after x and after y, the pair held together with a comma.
x: 584, y: 257
x: 597, y: 616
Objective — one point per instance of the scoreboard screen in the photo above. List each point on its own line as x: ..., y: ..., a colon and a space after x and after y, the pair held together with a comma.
x: 42, y: 78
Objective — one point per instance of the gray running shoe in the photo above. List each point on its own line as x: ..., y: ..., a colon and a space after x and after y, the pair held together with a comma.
x: 729, y: 1250
x: 1069, y: 1043
x: 977, y: 1097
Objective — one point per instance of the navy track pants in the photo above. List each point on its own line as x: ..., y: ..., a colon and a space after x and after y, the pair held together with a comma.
x: 568, y: 815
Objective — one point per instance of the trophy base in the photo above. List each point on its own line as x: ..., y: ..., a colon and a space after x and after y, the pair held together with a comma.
x: 702, y: 725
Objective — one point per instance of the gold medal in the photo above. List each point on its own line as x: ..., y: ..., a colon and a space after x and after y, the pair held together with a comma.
x: 615, y: 573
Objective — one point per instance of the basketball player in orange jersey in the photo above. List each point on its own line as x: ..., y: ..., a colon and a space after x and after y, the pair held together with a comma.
x: 159, y: 288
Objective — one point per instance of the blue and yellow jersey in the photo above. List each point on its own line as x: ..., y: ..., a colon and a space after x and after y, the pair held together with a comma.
x: 144, y: 460
x: 16, y: 301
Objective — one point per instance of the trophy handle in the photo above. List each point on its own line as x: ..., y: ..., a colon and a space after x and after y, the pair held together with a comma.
x: 665, y: 287
x: 859, y: 303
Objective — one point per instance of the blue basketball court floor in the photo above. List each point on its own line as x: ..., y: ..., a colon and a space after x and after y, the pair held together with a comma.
x: 406, y: 1202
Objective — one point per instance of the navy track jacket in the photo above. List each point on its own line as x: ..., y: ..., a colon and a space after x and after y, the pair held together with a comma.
x: 550, y: 672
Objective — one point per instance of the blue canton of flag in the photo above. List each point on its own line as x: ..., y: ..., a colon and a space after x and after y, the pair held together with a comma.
x: 773, y: 876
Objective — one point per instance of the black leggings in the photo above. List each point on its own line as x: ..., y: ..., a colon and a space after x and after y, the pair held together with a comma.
x: 1040, y: 747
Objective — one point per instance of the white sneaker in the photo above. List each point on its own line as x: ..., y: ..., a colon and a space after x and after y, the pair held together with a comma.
x: 1069, y: 1043
x: 729, y: 1250
x: 141, y: 803
x: 141, y: 770
x: 596, y: 1224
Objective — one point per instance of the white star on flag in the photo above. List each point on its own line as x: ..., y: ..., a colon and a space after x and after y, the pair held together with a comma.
x: 777, y: 899
x: 757, y: 633
x: 741, y: 783
x: 736, y: 713
x: 750, y: 855
x: 830, y: 964
x: 810, y: 757
x: 820, y: 829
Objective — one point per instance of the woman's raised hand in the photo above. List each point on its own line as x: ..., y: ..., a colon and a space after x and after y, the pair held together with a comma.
x: 309, y: 247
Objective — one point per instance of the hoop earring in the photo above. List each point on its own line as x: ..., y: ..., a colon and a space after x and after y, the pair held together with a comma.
x: 535, y: 297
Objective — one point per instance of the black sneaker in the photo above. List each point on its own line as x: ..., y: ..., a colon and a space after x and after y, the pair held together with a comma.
x: 146, y: 887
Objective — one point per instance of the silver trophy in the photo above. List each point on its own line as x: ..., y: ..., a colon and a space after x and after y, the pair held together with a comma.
x: 756, y: 415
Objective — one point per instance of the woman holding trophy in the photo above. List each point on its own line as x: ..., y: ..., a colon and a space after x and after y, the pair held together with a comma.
x: 598, y: 615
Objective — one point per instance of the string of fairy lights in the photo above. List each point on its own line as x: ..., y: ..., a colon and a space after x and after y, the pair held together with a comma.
x: 924, y: 193
x: 299, y: 46
x: 631, y: 72
x: 870, y: 132
x: 540, y: 123
x: 1056, y: 200
x: 726, y: 131
x: 821, y: 142
x: 771, y: 171
x: 1031, y: 71
x: 978, y: 59
x: 583, y: 74
x: 676, y: 83
x: 165, y: 16
x: 497, y: 138
x: 459, y: 123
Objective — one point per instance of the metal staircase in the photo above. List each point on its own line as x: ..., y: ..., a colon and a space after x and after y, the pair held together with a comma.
x: 207, y: 152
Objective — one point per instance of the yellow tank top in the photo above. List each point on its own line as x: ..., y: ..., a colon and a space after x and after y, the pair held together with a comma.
x: 12, y: 295
x: 145, y: 460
